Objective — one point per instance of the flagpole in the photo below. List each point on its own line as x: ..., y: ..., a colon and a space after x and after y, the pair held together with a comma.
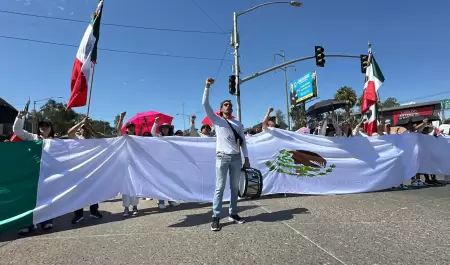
x: 378, y: 94
x: 90, y: 91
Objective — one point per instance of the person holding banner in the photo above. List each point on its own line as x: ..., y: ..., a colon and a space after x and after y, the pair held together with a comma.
x: 85, y: 132
x: 128, y: 200
x: 229, y: 144
x: 45, y: 131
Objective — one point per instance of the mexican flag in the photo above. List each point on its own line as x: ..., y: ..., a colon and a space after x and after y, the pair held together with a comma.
x: 16, y: 138
x: 374, y: 80
x: 86, y: 56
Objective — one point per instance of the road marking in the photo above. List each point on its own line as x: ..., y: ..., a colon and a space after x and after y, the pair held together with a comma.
x: 302, y: 235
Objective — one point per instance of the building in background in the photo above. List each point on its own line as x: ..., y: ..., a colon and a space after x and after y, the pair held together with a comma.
x: 396, y: 114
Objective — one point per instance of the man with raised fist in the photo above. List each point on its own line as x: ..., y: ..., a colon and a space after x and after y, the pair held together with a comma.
x: 229, y: 144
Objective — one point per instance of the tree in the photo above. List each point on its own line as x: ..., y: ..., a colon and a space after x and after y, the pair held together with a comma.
x: 280, y: 117
x: 347, y: 94
x: 298, y: 115
x: 63, y: 119
x: 390, y: 102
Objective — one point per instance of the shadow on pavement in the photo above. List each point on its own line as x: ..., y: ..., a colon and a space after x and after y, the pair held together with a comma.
x: 205, y: 218
x: 63, y: 223
x: 279, y: 216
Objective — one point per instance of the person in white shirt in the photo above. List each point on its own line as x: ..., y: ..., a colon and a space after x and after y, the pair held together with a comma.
x: 85, y: 132
x: 229, y: 144
x: 45, y: 131
x: 165, y: 130
x: 128, y: 200
x: 205, y: 130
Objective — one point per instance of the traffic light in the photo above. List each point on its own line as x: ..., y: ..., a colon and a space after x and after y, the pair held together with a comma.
x: 364, y: 63
x: 232, y: 84
x: 320, y: 57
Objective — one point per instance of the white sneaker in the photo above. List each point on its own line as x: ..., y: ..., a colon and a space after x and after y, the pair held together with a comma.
x: 161, y: 206
x: 174, y: 204
x: 47, y: 226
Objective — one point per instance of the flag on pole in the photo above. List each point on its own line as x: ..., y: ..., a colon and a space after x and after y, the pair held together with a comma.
x: 16, y: 138
x: 374, y: 80
x: 86, y: 56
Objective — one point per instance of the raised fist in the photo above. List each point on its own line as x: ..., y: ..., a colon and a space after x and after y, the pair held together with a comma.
x: 209, y: 81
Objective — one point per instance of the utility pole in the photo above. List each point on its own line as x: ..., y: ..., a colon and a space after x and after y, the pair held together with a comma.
x: 235, y: 43
x: 184, y: 117
x: 284, y: 68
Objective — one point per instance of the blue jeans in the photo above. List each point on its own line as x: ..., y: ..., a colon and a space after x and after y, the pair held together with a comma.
x: 232, y: 165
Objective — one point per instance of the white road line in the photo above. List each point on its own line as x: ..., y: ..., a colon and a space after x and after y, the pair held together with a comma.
x: 302, y: 235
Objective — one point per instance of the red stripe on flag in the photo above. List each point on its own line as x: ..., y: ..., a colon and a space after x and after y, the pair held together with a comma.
x: 78, y: 86
x: 15, y: 138
x: 369, y: 97
x: 370, y: 127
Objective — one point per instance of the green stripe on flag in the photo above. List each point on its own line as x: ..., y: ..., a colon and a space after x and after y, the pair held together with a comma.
x: 20, y: 166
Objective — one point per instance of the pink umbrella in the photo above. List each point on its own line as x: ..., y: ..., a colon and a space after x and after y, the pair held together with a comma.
x: 303, y: 130
x: 149, y: 116
x: 207, y: 121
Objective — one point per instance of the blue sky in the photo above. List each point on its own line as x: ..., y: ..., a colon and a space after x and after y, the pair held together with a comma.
x: 409, y: 40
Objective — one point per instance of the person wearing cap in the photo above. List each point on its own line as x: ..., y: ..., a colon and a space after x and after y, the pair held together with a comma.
x: 268, y: 121
x: 229, y: 144
x: 83, y: 130
x: 127, y: 200
x: 205, y: 130
x: 45, y: 131
x: 165, y: 129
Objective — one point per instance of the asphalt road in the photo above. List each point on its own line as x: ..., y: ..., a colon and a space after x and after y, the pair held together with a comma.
x: 393, y: 227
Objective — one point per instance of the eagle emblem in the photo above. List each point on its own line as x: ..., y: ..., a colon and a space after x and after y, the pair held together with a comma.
x: 300, y: 163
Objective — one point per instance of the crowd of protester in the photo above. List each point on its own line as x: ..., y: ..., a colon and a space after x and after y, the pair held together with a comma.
x: 328, y: 127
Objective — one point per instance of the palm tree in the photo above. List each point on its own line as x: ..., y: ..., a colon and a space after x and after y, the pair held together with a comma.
x: 348, y: 94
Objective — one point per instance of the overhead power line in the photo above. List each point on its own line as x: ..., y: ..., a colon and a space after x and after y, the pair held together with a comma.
x: 114, y: 50
x: 114, y: 25
x: 204, y: 12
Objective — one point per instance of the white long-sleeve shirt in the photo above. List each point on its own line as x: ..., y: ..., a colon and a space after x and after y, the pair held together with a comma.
x: 20, y: 132
x: 226, y: 142
x: 194, y: 133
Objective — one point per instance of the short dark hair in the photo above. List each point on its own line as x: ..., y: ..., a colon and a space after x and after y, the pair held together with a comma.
x: 223, y: 102
x: 205, y: 126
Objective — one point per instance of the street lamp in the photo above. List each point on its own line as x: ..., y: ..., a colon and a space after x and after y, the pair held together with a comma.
x: 35, y: 101
x: 235, y: 44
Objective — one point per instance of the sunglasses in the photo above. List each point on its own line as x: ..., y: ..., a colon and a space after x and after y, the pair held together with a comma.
x: 227, y: 104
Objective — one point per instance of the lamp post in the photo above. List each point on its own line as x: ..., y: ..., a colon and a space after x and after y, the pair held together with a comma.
x: 235, y: 44
x: 34, y: 128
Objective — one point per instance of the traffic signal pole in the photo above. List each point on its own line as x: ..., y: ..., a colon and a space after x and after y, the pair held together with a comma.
x: 236, y: 66
x: 255, y: 75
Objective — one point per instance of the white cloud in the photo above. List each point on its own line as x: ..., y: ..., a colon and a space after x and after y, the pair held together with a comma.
x: 71, y: 13
x: 27, y: 3
x: 61, y: 8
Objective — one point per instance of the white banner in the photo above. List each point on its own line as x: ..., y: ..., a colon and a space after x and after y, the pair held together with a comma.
x: 77, y: 173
